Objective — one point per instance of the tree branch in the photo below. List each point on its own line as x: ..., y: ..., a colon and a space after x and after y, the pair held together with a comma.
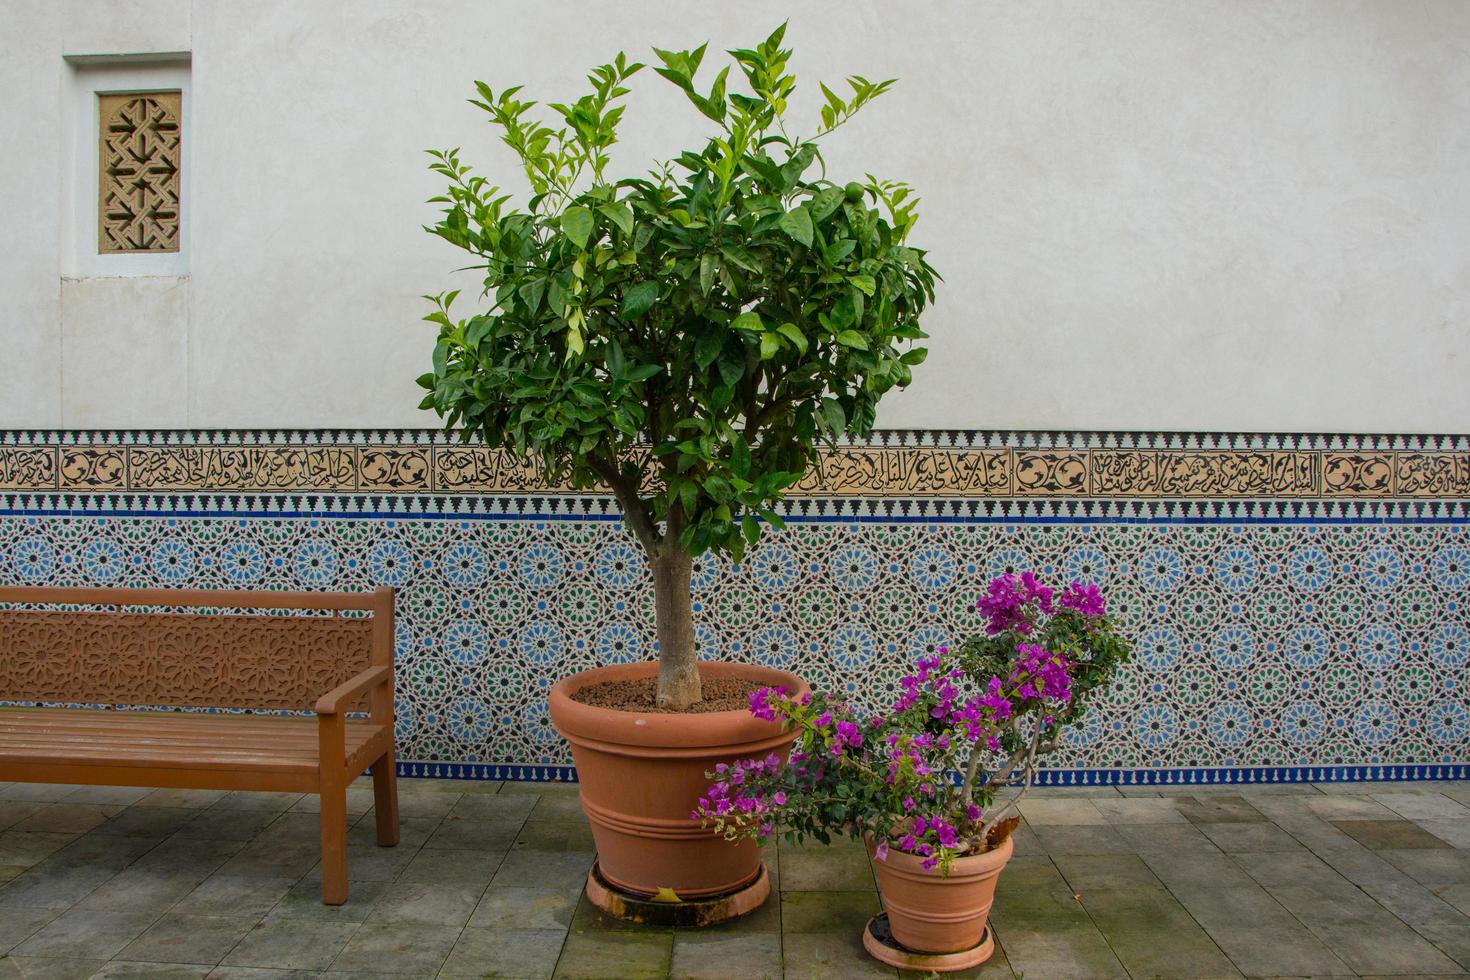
x: 627, y: 495
x: 1001, y: 776
x: 1031, y: 752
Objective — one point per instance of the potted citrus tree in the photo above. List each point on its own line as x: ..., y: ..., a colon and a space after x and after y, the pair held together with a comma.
x: 920, y: 781
x: 687, y: 338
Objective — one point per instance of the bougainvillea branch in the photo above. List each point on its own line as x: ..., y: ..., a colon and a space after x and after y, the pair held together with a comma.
x: 924, y: 776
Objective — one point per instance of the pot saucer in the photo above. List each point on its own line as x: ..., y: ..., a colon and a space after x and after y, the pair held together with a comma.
x: 881, y: 945
x: 669, y: 910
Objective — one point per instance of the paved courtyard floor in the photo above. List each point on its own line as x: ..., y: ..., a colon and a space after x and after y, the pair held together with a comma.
x: 1367, y: 879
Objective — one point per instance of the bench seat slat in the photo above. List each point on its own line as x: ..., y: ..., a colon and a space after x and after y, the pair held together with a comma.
x: 49, y: 735
x: 95, y: 718
x: 288, y: 730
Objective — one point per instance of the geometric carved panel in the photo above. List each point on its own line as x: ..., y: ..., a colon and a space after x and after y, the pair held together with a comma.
x: 138, y: 149
x: 179, y: 659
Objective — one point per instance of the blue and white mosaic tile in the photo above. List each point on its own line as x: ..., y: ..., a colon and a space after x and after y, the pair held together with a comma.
x: 1275, y: 642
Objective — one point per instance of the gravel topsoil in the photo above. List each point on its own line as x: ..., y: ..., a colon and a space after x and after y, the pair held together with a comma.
x: 720, y: 694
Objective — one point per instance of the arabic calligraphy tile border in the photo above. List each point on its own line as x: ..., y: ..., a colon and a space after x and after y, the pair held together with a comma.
x: 856, y: 471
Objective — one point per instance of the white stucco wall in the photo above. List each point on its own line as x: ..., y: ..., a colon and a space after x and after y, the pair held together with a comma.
x: 1154, y: 214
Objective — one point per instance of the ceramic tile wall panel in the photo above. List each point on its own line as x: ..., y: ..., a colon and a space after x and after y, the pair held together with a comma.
x: 1290, y: 614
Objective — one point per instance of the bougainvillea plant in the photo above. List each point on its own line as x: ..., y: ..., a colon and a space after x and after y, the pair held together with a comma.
x: 926, y: 775
x: 688, y: 338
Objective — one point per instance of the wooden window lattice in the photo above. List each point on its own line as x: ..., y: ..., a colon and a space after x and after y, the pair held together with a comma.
x: 138, y: 190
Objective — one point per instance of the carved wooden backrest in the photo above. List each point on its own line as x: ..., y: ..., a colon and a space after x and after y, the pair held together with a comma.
x: 236, y: 657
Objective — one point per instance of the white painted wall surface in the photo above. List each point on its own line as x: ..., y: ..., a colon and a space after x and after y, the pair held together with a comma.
x: 1155, y: 214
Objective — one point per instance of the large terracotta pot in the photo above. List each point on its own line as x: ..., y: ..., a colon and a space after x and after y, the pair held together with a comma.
x: 641, y: 775
x: 934, y: 913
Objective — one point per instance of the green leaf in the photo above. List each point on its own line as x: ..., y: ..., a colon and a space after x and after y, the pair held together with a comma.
x: 441, y: 358
x: 825, y: 203
x: 864, y: 282
x: 851, y: 338
x: 915, y: 357
x: 708, y: 346
x: 739, y: 257
x: 708, y: 266
x: 798, y: 224
x: 836, y: 417
x: 480, y: 328
x: 739, y: 457
x: 770, y: 345
x: 844, y: 312
x: 688, y: 496
x: 749, y: 320
x: 619, y: 214
x: 719, y: 488
x: 840, y: 250
x: 576, y: 224
x: 793, y: 334
x: 639, y: 299
x: 616, y: 364
x: 531, y: 293
x: 752, y: 529
x: 732, y: 364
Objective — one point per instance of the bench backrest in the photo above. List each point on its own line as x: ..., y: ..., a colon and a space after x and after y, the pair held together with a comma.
x: 188, y: 648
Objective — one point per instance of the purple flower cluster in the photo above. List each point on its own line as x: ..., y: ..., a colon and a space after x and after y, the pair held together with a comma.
x: 736, y: 792
x: 1085, y: 598
x: 1005, y: 605
x: 1040, y: 674
x: 946, y: 835
x: 1013, y: 600
x: 762, y: 702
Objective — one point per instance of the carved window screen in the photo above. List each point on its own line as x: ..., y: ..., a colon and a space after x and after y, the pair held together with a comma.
x: 138, y: 149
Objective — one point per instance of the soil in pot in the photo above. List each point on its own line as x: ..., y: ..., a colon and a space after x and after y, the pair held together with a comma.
x: 640, y: 694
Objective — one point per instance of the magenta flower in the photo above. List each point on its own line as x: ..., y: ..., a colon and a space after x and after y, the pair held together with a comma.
x: 1085, y: 598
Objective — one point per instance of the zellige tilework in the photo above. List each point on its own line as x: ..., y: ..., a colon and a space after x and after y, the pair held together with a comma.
x: 1284, y: 615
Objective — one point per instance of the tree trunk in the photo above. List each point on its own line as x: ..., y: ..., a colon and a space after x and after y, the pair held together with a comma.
x: 678, y: 674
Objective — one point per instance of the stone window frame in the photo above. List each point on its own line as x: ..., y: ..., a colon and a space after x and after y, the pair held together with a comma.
x: 88, y: 79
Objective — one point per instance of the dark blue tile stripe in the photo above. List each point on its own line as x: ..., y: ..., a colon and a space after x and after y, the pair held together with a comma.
x: 1251, y: 775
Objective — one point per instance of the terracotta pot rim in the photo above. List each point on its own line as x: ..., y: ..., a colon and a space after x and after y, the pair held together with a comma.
x: 608, y: 727
x: 969, y: 866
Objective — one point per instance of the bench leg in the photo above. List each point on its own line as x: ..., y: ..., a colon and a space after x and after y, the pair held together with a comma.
x: 334, y: 845
x: 385, y: 799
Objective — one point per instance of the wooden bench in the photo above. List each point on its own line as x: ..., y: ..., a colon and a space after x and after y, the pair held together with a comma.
x: 155, y: 651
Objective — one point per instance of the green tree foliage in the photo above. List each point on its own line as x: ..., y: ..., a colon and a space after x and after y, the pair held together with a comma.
x: 689, y: 338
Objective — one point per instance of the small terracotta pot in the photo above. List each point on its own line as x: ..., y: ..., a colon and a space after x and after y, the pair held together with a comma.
x: 934, y: 913
x: 641, y: 775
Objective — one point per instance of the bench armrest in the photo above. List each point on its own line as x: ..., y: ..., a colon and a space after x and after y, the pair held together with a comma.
x: 331, y: 703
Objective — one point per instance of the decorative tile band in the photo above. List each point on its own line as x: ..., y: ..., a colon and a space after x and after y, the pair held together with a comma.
x: 852, y: 471
x: 1299, y: 602
x: 881, y: 438
x: 1255, y: 776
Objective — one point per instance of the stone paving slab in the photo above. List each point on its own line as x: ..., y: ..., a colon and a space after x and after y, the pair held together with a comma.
x: 1285, y: 880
